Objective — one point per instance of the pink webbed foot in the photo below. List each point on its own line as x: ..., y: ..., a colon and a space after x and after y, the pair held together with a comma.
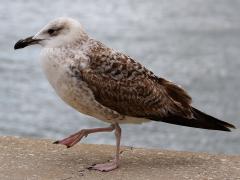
x: 73, y: 139
x: 104, y: 167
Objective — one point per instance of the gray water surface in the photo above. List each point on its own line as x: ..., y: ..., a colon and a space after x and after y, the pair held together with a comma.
x: 194, y: 43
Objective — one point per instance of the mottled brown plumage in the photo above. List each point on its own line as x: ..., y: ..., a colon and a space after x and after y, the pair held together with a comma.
x: 124, y: 85
x: 120, y: 83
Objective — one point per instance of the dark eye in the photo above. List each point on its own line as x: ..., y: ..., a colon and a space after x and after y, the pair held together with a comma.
x: 51, y: 31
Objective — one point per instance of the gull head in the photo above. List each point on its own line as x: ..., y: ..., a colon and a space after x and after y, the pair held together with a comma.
x: 57, y: 33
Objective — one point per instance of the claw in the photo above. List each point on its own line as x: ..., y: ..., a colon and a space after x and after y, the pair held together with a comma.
x: 56, y: 142
x: 90, y: 167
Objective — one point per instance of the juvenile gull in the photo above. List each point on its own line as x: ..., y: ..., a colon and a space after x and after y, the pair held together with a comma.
x: 101, y: 82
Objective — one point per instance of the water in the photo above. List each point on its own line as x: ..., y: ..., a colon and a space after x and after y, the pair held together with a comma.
x: 193, y: 43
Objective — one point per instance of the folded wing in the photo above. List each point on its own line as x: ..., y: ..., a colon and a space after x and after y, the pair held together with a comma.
x: 120, y: 83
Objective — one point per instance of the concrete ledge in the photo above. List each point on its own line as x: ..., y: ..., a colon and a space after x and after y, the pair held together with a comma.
x: 30, y: 159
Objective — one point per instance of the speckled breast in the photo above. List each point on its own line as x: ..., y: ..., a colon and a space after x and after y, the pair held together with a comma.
x: 72, y: 89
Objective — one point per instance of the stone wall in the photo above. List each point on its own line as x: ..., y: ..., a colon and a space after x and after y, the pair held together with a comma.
x: 30, y: 159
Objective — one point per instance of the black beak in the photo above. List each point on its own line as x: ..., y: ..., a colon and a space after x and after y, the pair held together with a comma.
x: 22, y: 43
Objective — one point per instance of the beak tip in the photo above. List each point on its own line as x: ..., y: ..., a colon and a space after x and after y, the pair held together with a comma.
x: 15, y: 46
x: 18, y: 45
x: 22, y: 43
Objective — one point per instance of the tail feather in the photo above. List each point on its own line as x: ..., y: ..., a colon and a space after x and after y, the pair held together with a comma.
x: 200, y: 120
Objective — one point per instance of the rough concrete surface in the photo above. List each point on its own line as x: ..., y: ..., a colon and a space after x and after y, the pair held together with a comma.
x: 32, y: 159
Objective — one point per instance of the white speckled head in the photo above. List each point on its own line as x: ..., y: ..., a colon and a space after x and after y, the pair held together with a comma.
x: 59, y: 32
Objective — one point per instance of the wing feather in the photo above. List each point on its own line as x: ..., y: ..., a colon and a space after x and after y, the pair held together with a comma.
x: 120, y: 83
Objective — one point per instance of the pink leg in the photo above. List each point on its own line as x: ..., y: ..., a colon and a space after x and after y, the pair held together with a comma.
x: 114, y: 163
x: 75, y: 138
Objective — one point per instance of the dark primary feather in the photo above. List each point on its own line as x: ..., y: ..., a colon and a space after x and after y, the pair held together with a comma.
x: 200, y: 120
x: 121, y: 84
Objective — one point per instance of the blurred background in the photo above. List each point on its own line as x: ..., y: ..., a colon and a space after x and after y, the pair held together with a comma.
x: 194, y: 43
